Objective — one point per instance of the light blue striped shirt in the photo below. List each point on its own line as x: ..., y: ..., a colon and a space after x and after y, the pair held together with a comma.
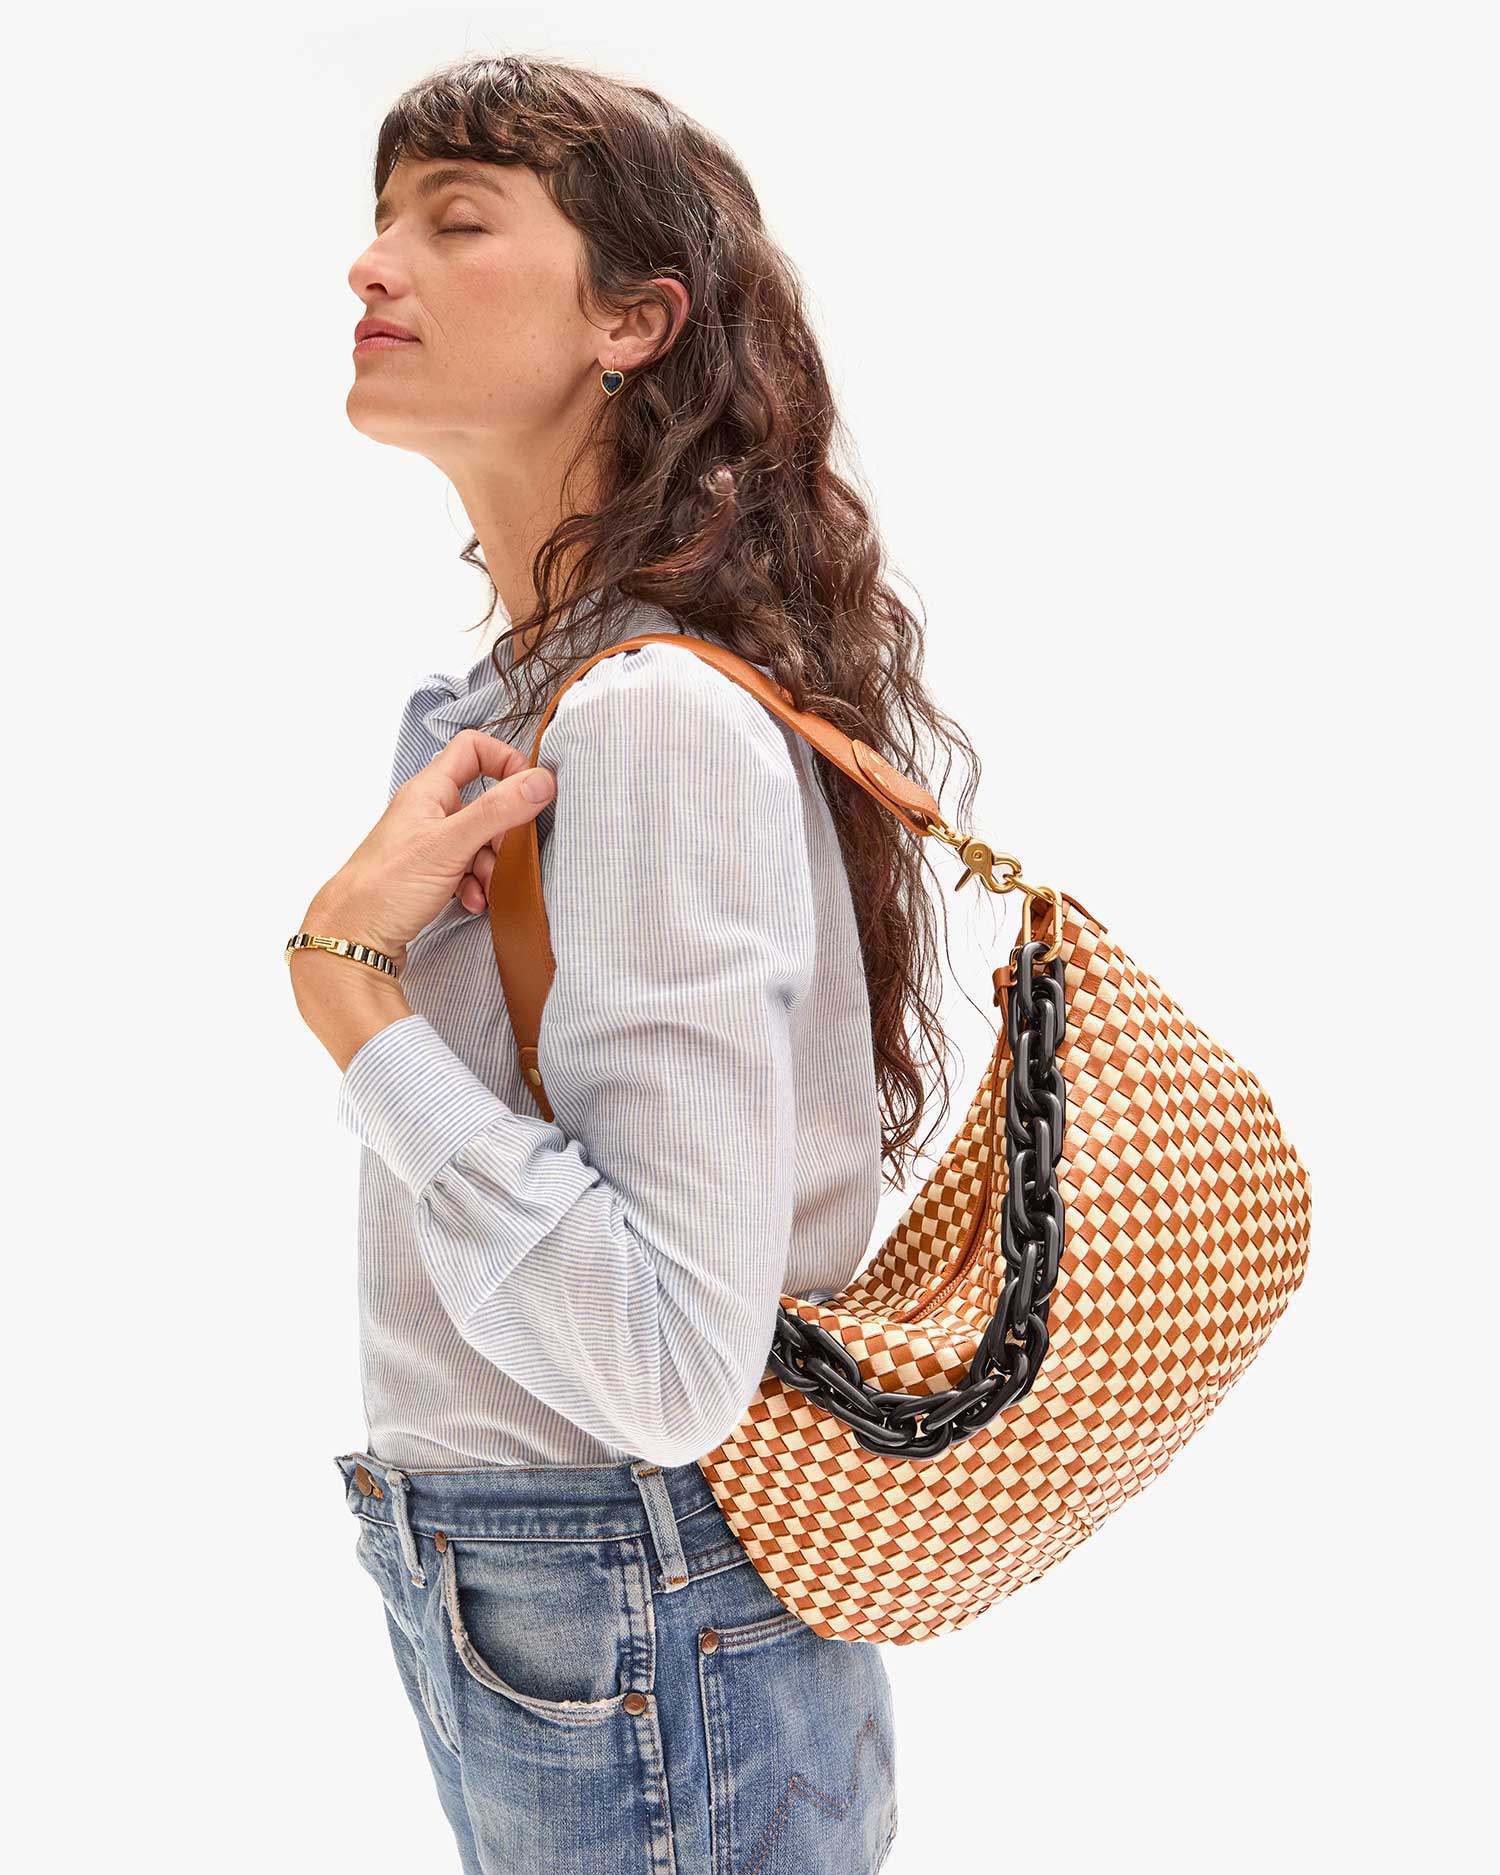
x: 604, y: 1285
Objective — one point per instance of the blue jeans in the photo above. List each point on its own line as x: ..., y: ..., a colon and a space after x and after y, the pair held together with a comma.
x: 605, y: 1685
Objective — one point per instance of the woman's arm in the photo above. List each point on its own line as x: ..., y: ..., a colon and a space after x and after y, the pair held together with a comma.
x: 624, y: 1263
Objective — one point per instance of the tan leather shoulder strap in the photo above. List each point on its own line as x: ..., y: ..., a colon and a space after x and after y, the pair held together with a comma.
x: 518, y: 913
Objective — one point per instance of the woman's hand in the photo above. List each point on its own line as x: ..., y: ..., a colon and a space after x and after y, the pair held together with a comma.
x: 425, y: 847
x: 428, y: 847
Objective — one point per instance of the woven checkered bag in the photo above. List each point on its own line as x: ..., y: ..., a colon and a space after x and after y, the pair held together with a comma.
x: 1100, y: 1253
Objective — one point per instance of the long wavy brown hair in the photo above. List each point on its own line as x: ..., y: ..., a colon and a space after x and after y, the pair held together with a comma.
x: 714, y: 493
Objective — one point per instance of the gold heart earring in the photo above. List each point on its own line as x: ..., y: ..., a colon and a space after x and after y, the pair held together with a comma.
x: 611, y: 380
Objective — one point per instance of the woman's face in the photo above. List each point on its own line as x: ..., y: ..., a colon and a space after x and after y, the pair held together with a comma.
x: 475, y: 261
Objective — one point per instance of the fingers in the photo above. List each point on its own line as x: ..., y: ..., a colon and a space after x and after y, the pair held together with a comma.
x: 472, y: 753
x: 518, y: 795
x: 474, y: 888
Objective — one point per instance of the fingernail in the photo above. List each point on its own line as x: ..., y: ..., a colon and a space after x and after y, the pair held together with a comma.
x: 536, y: 784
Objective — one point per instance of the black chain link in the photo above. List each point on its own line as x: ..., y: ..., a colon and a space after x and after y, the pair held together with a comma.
x: 1011, y: 1350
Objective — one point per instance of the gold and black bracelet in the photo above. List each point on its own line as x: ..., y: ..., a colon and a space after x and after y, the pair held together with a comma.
x: 341, y: 947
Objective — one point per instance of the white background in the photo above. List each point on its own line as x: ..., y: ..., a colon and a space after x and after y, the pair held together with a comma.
x: 1166, y: 334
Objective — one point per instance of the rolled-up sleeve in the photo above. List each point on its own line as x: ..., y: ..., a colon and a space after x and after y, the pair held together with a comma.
x: 624, y: 1261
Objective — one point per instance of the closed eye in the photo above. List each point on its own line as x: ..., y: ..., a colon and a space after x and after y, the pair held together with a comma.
x: 463, y: 229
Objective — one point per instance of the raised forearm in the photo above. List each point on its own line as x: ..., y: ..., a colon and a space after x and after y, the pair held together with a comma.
x: 343, y: 1002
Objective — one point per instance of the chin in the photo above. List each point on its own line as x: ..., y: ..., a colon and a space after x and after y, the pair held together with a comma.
x: 375, y: 417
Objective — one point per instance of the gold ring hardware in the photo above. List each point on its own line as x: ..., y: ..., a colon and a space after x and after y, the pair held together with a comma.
x: 980, y: 860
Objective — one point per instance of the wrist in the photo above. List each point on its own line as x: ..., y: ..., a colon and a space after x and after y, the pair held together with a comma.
x: 335, y: 914
x: 331, y: 915
x: 344, y: 1002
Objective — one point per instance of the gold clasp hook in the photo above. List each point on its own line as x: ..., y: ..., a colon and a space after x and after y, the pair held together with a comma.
x: 980, y: 860
x: 1054, y: 899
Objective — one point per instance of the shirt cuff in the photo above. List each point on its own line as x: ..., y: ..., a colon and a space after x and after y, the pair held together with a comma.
x: 407, y: 1096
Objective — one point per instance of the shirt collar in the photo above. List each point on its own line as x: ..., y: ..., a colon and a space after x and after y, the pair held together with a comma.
x: 467, y: 700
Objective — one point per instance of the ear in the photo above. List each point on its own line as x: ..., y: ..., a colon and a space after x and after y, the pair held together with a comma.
x: 680, y: 306
x: 647, y: 331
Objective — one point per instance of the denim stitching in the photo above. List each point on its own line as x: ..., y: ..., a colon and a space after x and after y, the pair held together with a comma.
x: 798, y: 1785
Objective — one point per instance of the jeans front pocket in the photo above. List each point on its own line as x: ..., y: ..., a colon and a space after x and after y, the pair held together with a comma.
x: 560, y: 1629
x: 800, y: 1740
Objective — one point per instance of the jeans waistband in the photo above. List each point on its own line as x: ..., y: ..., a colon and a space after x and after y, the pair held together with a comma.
x: 562, y: 1502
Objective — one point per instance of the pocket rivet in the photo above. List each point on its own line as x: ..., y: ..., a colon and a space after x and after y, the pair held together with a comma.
x: 634, y: 1702
x: 441, y: 1540
x: 708, y: 1641
x: 363, y: 1482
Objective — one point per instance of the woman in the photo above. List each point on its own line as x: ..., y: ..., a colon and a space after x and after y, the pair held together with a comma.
x: 572, y: 308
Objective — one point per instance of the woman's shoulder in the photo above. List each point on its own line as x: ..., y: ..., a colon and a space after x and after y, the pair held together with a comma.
x: 657, y: 734
x: 660, y: 685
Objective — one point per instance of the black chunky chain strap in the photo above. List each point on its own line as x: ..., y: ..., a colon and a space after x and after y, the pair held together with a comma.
x: 1011, y: 1350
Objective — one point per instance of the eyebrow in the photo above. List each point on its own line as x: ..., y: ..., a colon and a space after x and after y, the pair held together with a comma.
x: 477, y: 174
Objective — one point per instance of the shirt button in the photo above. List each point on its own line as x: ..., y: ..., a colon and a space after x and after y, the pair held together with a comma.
x: 707, y: 1641
x: 634, y: 1702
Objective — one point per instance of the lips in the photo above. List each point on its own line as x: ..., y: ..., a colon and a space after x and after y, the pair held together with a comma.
x: 382, y: 329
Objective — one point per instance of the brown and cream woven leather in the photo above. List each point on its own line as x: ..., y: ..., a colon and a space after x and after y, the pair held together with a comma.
x: 1188, y: 1217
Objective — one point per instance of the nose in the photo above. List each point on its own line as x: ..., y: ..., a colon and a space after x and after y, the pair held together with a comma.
x: 376, y: 274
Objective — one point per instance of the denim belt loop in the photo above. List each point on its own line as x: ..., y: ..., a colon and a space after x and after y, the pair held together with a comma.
x: 400, y: 1486
x: 663, y: 1520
